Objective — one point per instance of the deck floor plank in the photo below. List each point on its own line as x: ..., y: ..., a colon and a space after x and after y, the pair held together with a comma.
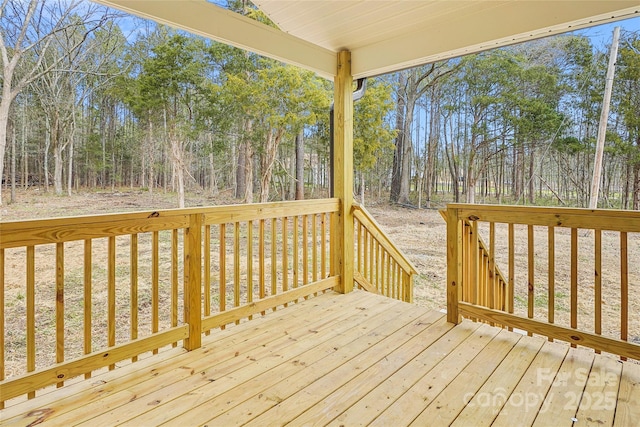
x: 223, y: 353
x: 386, y: 376
x: 293, y: 395
x: 598, y: 402
x: 376, y: 400
x: 206, y: 371
x: 65, y: 399
x: 628, y: 404
x: 528, y: 396
x: 408, y: 406
x: 487, y: 403
x: 235, y: 388
x: 444, y: 410
x: 351, y: 360
x: 369, y: 370
x: 561, y: 403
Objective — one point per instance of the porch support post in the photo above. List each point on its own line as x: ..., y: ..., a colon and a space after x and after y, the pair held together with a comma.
x: 454, y: 264
x: 193, y: 282
x: 343, y: 172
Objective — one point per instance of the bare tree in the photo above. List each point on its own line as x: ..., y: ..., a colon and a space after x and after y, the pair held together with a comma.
x: 27, y: 33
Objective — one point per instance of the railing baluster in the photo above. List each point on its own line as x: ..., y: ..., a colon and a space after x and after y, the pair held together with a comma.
x: 222, y: 285
x: 207, y: 272
x: 111, y: 295
x: 250, y: 263
x: 133, y: 255
x: 332, y: 226
x: 358, y: 241
x: 624, y: 288
x: 381, y: 270
x: 473, y: 244
x: 530, y: 273
x: 323, y: 246
x: 512, y: 267
x: 236, y: 266
x: 261, y: 255
x: 87, y: 284
x: 296, y: 256
x: 367, y: 255
x: 31, y: 313
x: 551, y: 242
x: 2, y: 355
x: 314, y: 249
x: 305, y: 250
x: 377, y: 267
x: 60, y: 305
x: 598, y: 282
x: 387, y: 272
x: 494, y: 294
x: 285, y: 255
x: 174, y: 280
x: 274, y: 267
x: 574, y: 279
x: 155, y: 280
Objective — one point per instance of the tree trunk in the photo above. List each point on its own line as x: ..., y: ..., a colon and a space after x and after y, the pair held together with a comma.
x: 23, y: 150
x: 532, y: 196
x: 248, y: 175
x: 57, y: 155
x: 13, y: 163
x: 5, y: 105
x: 70, y: 166
x: 471, y: 183
x: 636, y: 186
x: 241, y: 170
x: 267, y: 162
x: 625, y: 191
x: 57, y: 169
x: 178, y: 166
x: 300, y: 166
x: 213, y: 177
x: 429, y: 172
x: 396, y: 176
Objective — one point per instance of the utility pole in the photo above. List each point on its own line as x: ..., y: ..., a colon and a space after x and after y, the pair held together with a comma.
x: 604, y: 116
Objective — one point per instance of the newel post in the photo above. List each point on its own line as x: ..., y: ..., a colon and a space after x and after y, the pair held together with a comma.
x: 193, y: 282
x: 343, y: 172
x: 454, y: 264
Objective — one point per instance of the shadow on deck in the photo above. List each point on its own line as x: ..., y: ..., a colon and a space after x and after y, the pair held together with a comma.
x: 355, y: 359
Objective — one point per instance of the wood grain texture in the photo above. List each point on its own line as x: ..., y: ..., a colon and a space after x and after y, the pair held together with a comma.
x: 354, y: 359
x: 570, y: 335
x: 342, y: 230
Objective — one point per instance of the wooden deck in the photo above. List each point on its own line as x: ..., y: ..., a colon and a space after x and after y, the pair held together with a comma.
x: 356, y: 359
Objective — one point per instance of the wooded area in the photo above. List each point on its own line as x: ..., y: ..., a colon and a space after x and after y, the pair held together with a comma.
x: 95, y: 99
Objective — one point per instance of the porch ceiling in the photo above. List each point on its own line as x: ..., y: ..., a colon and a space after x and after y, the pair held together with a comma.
x: 382, y: 35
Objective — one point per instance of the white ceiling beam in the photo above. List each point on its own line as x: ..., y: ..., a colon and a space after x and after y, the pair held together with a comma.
x: 208, y: 20
x: 494, y: 26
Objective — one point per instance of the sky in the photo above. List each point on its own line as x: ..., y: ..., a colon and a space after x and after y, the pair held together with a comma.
x: 602, y: 35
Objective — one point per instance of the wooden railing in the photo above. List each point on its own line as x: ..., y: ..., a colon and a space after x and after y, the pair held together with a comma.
x: 484, y: 283
x: 569, y: 272
x: 80, y: 294
x: 380, y: 266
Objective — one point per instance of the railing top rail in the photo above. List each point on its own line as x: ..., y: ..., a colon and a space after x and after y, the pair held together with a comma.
x: 256, y: 211
x: 56, y: 230
x: 602, y: 219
